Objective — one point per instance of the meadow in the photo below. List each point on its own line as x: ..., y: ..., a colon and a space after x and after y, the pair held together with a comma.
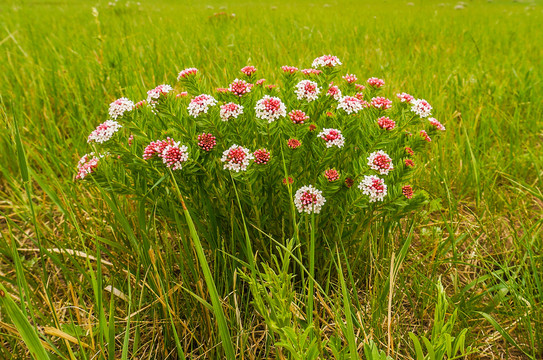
x: 76, y: 283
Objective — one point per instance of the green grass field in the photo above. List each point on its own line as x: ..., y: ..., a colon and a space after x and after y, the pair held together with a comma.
x: 63, y: 249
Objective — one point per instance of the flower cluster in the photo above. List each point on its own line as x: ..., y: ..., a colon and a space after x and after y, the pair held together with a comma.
x: 289, y: 69
x: 434, y: 122
x: 385, y: 123
x: 350, y: 78
x: 326, y: 61
x: 331, y: 175
x: 374, y: 187
x: 376, y: 82
x: 240, y: 87
x: 294, y: 143
x: 332, y: 137
x: 201, y: 104
x: 153, y: 95
x: 381, y: 103
x: 298, y: 116
x: 104, y: 131
x: 248, y: 70
x: 405, y: 97
x: 311, y: 72
x: 236, y: 158
x: 350, y: 104
x: 425, y: 136
x: 119, y: 107
x: 186, y: 73
x: 334, y: 92
x: 421, y: 107
x: 206, y: 141
x: 86, y: 165
x: 307, y: 90
x: 174, y: 155
x: 262, y: 156
x: 407, y: 191
x: 270, y: 108
x: 381, y: 162
x: 230, y: 111
x: 309, y: 200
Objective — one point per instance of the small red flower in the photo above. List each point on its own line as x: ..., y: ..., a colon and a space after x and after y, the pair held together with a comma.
x: 425, y: 136
x: 407, y: 191
x: 294, y: 143
x: 206, y: 141
x: 312, y: 127
x: 349, y: 182
x: 262, y: 156
x: 290, y: 180
x: 409, y: 163
x: 331, y: 175
x: 385, y: 123
x: 409, y: 151
x: 248, y: 70
x: 298, y: 116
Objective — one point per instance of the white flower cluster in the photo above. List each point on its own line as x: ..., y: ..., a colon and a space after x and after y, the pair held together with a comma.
x: 381, y: 162
x: 309, y: 200
x: 119, y: 107
x: 201, y: 104
x: 374, y: 187
x: 326, y: 61
x: 421, y: 108
x: 230, y: 110
x: 154, y: 94
x: 333, y: 137
x: 307, y: 90
x: 270, y: 108
x: 350, y: 104
x: 104, y: 131
x: 236, y: 158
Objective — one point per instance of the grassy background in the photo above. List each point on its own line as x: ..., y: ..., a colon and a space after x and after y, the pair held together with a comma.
x: 479, y: 67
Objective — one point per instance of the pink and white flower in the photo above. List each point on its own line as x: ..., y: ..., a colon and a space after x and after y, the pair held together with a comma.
x: 175, y: 155
x: 334, y: 92
x: 86, y: 165
x: 248, y: 70
x: 201, y: 104
x: 425, y: 136
x: 376, y: 82
x: 405, y: 97
x: 331, y: 175
x: 421, y: 107
x: 230, y: 111
x: 186, y: 73
x: 236, y: 158
x: 381, y: 162
x: 381, y: 103
x: 350, y: 78
x: 374, y: 187
x: 437, y: 124
x: 307, y: 90
x: 326, y: 61
x: 119, y: 107
x: 385, y: 123
x: 153, y: 95
x: 270, y: 108
x: 309, y: 200
x: 240, y: 87
x: 156, y: 148
x: 298, y: 116
x: 333, y: 137
x: 350, y: 104
x: 359, y: 87
x: 104, y: 132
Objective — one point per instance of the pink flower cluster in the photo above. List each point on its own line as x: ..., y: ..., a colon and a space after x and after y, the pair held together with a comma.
x: 376, y: 82
x: 289, y: 69
x: 86, y: 165
x: 170, y: 151
x: 201, y: 104
x: 381, y: 103
x: 334, y: 92
x: 230, y: 110
x: 405, y: 97
x: 331, y: 175
x: 104, y: 132
x: 425, y: 136
x: 385, y: 123
x: 309, y: 200
x: 407, y: 191
x: 437, y: 124
x: 206, y: 141
x: 154, y: 94
x: 311, y: 72
x: 294, y: 143
x: 248, y: 70
x: 186, y: 73
x: 333, y: 137
x: 374, y: 187
x: 298, y: 116
x: 236, y: 158
x: 307, y: 90
x: 119, y: 107
x: 326, y: 61
x: 262, y: 156
x: 270, y: 108
x: 381, y: 162
x: 350, y: 78
x: 240, y: 87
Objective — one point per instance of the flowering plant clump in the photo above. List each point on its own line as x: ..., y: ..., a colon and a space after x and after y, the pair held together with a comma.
x: 295, y: 149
